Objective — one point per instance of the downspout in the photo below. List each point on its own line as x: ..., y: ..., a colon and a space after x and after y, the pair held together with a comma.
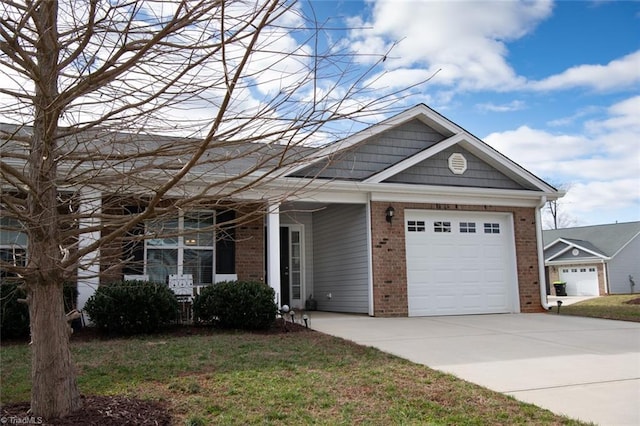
x: 541, y: 272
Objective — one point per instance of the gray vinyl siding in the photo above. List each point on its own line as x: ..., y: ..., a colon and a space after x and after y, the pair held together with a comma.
x: 340, y: 262
x: 306, y: 220
x: 625, y: 263
x: 378, y: 153
x: 582, y: 255
x: 435, y: 171
x: 554, y: 249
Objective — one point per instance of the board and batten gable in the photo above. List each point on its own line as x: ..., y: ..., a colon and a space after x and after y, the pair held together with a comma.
x: 435, y: 171
x: 340, y: 258
x: 375, y: 154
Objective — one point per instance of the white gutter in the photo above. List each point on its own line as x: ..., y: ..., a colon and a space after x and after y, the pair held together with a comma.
x: 541, y: 272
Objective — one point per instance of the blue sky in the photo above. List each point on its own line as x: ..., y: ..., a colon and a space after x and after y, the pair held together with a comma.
x: 552, y: 85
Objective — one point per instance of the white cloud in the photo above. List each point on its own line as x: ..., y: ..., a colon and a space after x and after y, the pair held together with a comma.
x: 466, y: 40
x: 619, y: 73
x: 607, y: 195
x: 508, y: 107
x: 601, y: 166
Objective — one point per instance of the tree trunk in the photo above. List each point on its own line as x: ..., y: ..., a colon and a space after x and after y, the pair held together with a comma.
x: 54, y: 391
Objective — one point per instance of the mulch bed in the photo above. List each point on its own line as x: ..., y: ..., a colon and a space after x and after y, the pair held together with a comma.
x: 96, y: 411
x: 633, y: 301
x: 119, y: 410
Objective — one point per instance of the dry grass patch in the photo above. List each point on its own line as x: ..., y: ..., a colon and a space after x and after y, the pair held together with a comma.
x: 292, y: 378
x: 623, y: 307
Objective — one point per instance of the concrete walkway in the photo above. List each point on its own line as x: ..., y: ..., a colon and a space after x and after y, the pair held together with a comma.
x: 585, y: 368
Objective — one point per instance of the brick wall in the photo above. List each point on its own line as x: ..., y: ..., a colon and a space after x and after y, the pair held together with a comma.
x: 250, y: 244
x: 389, y: 257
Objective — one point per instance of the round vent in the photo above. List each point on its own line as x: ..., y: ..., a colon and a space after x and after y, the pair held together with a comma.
x: 457, y: 163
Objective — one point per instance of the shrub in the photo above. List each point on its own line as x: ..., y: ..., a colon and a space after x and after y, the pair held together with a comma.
x: 237, y: 304
x: 14, y: 316
x: 132, y: 307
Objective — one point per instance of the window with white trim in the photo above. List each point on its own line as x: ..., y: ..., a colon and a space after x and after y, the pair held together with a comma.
x: 592, y: 269
x: 467, y: 227
x: 416, y: 226
x: 491, y: 228
x: 182, y: 245
x: 441, y: 226
x: 13, y: 243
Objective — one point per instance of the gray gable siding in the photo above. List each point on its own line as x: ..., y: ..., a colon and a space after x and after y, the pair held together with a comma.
x: 435, y: 171
x: 626, y: 263
x: 375, y: 154
x: 581, y: 256
x: 554, y: 249
x: 340, y: 259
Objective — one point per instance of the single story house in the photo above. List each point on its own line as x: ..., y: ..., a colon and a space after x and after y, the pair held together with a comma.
x: 594, y: 260
x: 413, y: 216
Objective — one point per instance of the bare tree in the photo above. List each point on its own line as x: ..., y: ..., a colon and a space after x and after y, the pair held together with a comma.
x: 87, y: 88
x: 556, y: 217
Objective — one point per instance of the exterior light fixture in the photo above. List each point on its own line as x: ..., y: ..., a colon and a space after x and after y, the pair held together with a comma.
x: 305, y: 318
x: 389, y: 213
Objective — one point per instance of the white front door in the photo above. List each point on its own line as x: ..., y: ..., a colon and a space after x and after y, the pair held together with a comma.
x: 460, y: 263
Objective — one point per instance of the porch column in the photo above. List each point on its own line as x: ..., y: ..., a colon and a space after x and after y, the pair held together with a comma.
x: 89, y: 265
x: 273, y: 249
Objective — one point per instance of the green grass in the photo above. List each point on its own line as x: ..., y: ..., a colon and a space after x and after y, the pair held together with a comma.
x: 294, y: 378
x: 608, y: 307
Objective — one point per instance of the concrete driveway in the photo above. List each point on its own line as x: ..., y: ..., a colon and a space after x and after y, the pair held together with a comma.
x: 585, y: 368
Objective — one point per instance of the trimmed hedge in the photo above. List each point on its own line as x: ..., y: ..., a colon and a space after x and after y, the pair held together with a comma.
x: 14, y: 316
x: 245, y: 305
x: 132, y: 307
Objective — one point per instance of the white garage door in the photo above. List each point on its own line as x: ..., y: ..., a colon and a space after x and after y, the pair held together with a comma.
x: 460, y: 263
x: 581, y: 281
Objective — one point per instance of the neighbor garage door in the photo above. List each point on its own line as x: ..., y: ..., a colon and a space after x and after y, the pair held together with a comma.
x: 581, y: 280
x: 460, y: 263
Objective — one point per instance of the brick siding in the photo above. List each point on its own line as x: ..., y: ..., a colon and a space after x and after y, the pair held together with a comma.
x: 250, y: 244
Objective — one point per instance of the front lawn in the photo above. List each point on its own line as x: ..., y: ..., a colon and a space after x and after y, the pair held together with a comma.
x: 290, y: 378
x: 624, y: 307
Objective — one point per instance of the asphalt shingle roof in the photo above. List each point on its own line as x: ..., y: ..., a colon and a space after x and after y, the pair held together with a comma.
x: 604, y: 239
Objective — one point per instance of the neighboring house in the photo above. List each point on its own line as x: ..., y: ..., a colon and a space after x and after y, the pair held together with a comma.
x: 413, y: 216
x: 594, y: 260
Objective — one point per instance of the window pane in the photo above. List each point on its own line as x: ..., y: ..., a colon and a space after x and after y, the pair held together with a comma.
x: 491, y: 228
x: 467, y: 227
x: 442, y: 226
x: 165, y: 232
x: 10, y: 233
x: 416, y: 226
x: 161, y: 263
x: 197, y: 221
x: 14, y: 256
x: 199, y: 263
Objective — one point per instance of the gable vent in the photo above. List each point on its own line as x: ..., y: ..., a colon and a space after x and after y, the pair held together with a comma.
x: 457, y: 163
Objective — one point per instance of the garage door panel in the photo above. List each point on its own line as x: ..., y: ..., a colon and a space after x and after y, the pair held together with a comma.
x: 472, y: 301
x: 581, y: 281
x: 451, y: 273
